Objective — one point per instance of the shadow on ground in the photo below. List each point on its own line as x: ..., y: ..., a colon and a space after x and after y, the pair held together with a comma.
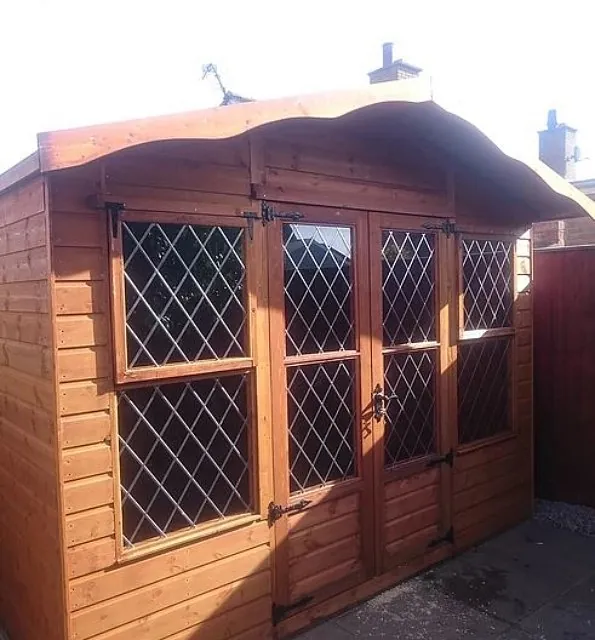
x: 531, y: 583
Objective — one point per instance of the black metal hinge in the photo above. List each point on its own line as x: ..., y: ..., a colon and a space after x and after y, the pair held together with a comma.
x: 446, y: 226
x: 281, y: 611
x: 114, y: 209
x: 449, y: 537
x: 447, y: 458
x: 276, y: 510
x: 268, y: 214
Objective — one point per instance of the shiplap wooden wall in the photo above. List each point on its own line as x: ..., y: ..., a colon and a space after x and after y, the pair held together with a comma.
x: 31, y: 568
x: 219, y: 587
x: 214, y: 588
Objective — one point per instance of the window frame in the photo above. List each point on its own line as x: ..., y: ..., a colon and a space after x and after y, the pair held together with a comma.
x: 393, y: 224
x: 149, y: 376
x: 380, y: 222
x: 477, y: 336
x: 319, y: 217
x: 122, y: 372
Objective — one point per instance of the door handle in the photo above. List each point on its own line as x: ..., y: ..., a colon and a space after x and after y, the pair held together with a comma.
x: 379, y: 402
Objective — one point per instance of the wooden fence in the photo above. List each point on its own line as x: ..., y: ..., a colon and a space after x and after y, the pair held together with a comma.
x: 564, y: 346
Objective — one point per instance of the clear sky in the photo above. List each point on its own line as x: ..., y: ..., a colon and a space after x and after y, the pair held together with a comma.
x: 501, y: 65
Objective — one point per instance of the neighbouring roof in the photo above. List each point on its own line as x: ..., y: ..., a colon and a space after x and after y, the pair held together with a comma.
x: 379, y: 108
x: 586, y: 186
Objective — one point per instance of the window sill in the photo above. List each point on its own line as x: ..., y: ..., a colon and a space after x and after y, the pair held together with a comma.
x: 470, y: 447
x: 156, y: 375
x: 412, y: 467
x: 156, y: 546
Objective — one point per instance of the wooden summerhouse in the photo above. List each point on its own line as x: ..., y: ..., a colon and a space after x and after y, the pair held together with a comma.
x: 259, y: 362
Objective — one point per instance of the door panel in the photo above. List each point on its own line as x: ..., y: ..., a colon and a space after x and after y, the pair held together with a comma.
x: 407, y: 365
x: 318, y: 286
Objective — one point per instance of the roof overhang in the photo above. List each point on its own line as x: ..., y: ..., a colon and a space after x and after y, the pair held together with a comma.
x: 376, y: 108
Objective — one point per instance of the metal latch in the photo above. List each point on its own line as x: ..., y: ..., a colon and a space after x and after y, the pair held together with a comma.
x: 447, y: 458
x: 280, y: 611
x: 277, y: 510
x: 268, y: 214
x: 446, y: 226
x: 379, y: 402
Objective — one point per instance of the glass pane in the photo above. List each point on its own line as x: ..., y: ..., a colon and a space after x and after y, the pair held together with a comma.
x: 409, y: 422
x: 318, y: 289
x: 321, y: 407
x: 483, y: 382
x: 408, y: 296
x: 487, y: 284
x: 184, y: 291
x: 184, y: 455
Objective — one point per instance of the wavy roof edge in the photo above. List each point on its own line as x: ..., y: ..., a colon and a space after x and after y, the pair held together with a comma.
x: 73, y: 147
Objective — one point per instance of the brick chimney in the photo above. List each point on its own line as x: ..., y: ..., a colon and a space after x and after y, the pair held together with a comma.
x: 392, y: 69
x: 557, y: 147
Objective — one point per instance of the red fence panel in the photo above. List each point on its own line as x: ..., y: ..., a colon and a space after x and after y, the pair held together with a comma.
x: 564, y: 360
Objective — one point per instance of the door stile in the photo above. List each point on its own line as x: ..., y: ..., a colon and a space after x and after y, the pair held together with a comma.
x: 280, y: 530
x: 258, y: 326
x: 367, y: 440
x: 448, y: 305
x: 377, y: 373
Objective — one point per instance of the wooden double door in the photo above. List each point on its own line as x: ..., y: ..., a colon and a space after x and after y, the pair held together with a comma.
x: 360, y: 374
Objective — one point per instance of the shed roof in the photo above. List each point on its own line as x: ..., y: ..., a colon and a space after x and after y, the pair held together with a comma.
x: 377, y: 108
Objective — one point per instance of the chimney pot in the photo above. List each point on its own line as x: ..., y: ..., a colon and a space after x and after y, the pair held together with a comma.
x: 387, y: 54
x: 557, y: 146
x: 552, y: 119
x: 392, y: 70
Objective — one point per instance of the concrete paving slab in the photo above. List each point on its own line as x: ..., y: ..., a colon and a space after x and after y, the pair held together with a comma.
x: 370, y: 622
x: 514, y: 633
x: 531, y: 583
x: 326, y: 631
x: 417, y: 610
x: 511, y: 583
x: 536, y: 542
x: 570, y: 617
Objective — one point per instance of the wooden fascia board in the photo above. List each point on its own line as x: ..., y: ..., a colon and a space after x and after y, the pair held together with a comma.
x: 69, y: 148
x: 24, y: 169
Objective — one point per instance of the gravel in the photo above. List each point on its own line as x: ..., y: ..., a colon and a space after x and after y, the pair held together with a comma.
x: 562, y: 515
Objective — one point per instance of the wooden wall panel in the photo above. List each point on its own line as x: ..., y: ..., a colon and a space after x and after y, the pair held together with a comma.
x: 492, y: 489
x: 412, y: 516
x: 324, y: 546
x: 32, y: 585
x: 564, y: 374
x: 80, y: 287
x: 221, y: 585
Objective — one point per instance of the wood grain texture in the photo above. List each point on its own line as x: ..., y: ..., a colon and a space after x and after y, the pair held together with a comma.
x: 107, y: 598
x: 221, y: 586
x: 168, y: 592
x: 30, y: 546
x: 492, y: 490
x: 294, y: 186
x: 325, y: 545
